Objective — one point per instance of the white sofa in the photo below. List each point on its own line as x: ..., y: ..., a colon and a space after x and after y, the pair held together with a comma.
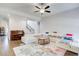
x: 29, y: 38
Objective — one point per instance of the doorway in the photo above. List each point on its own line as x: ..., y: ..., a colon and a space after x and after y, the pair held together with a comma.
x: 4, y: 40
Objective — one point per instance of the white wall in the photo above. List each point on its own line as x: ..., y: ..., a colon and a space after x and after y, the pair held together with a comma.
x: 17, y: 23
x: 66, y: 22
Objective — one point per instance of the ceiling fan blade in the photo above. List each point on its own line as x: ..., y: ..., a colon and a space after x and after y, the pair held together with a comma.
x: 37, y: 7
x: 36, y: 11
x: 47, y: 11
x: 47, y: 7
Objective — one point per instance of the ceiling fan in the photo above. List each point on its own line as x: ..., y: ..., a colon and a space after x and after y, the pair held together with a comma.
x: 42, y: 9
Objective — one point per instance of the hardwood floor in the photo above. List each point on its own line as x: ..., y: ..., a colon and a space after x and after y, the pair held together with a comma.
x: 12, y: 45
x: 6, y: 46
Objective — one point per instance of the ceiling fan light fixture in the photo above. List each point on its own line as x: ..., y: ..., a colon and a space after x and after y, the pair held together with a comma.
x: 42, y: 10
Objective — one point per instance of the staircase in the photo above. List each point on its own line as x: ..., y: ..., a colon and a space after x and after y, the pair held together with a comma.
x: 31, y: 30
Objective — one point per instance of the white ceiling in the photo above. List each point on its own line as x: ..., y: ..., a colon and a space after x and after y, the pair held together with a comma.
x: 25, y: 9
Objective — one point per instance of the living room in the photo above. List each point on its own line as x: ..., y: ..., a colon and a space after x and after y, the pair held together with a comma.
x: 27, y: 25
